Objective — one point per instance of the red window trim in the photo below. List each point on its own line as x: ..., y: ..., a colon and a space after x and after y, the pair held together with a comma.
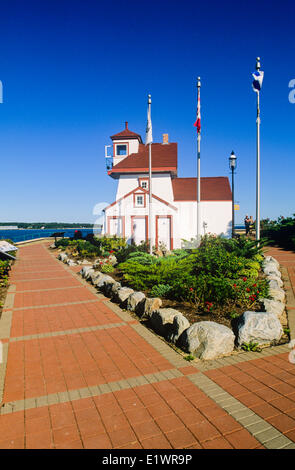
x: 134, y: 200
x: 143, y: 179
x: 171, y: 228
x: 120, y: 143
x: 146, y: 225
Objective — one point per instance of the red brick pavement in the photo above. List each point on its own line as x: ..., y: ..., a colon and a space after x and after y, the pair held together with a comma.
x: 166, y: 414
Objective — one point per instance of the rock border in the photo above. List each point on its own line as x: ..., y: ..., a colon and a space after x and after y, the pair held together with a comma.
x: 206, y: 339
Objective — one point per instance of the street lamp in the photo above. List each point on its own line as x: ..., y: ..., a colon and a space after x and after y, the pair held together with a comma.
x: 232, y: 166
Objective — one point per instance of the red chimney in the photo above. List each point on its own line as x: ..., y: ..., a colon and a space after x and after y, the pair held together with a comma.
x: 126, y: 125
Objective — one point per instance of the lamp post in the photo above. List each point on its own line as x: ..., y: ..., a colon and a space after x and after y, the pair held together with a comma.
x: 232, y: 166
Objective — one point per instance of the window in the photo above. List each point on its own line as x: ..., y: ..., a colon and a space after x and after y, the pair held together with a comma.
x: 121, y: 149
x: 139, y: 200
x: 144, y: 183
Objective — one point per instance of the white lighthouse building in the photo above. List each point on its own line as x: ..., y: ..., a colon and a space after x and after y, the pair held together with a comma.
x: 174, y: 200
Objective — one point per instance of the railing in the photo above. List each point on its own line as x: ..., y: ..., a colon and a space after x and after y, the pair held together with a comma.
x: 109, y: 163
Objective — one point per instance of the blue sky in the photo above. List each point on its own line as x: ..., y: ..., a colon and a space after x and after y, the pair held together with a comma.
x: 73, y: 71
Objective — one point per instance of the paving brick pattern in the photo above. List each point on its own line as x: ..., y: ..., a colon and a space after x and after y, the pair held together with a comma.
x: 80, y: 373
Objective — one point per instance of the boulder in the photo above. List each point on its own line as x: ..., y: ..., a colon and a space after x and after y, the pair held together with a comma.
x: 70, y: 262
x: 107, y: 286
x: 123, y: 294
x: 85, y: 270
x: 179, y: 325
x: 86, y: 262
x: 270, y: 259
x: 52, y: 246
x: 207, y: 340
x: 63, y: 257
x: 134, y: 299
x: 274, y: 306
x: 89, y: 273
x: 257, y: 327
x: 277, y: 293
x: 148, y: 306
x: 162, y: 320
x: 114, y: 289
x: 273, y: 277
x: 103, y: 280
x: 95, y: 276
x: 271, y: 269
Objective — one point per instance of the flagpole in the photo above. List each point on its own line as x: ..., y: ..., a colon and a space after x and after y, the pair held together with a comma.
x: 150, y: 183
x: 258, y: 160
x: 199, y: 172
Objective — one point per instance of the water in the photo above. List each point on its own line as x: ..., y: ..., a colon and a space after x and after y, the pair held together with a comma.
x: 21, y: 235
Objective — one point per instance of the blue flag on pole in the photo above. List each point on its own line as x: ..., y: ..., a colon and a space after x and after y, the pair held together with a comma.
x: 258, y: 79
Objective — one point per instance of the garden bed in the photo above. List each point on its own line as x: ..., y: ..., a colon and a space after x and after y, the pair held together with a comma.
x: 215, y: 284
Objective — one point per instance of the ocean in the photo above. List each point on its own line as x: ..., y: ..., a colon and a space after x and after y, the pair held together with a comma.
x: 21, y: 235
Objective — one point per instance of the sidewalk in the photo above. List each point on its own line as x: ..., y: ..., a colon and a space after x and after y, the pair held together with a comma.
x: 79, y: 372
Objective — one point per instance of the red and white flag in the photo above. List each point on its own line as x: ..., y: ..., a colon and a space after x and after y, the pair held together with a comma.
x: 197, y: 124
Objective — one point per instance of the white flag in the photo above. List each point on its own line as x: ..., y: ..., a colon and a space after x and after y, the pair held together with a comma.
x: 258, y: 79
x: 149, y: 129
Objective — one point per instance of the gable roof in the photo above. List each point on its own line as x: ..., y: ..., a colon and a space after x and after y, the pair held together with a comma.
x: 126, y: 134
x: 164, y: 159
x: 144, y: 191
x: 212, y: 189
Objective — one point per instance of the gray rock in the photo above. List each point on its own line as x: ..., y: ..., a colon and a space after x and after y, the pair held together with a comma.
x: 134, y: 299
x: 114, y: 289
x: 273, y: 277
x: 277, y: 293
x: 89, y: 273
x: 162, y: 320
x: 270, y: 259
x: 70, y: 262
x: 52, y: 246
x: 86, y: 262
x: 207, y: 340
x: 63, y: 257
x: 179, y: 325
x: 274, y: 306
x: 107, y: 287
x: 149, y: 306
x: 104, y: 279
x: 271, y: 269
x: 95, y: 276
x: 257, y: 327
x: 123, y: 294
x: 85, y: 270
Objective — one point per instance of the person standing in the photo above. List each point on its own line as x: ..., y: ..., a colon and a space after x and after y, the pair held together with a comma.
x: 247, y: 224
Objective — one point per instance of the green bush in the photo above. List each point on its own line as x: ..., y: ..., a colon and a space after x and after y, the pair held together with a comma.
x: 107, y: 268
x: 161, y: 290
x: 215, y: 272
x: 280, y: 232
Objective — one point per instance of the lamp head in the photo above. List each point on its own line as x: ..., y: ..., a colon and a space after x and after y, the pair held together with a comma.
x: 232, y: 161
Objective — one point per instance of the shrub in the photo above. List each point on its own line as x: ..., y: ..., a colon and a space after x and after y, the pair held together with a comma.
x: 280, y: 232
x: 161, y: 290
x: 107, y: 268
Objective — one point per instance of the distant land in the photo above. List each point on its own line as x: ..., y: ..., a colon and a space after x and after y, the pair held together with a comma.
x: 45, y: 225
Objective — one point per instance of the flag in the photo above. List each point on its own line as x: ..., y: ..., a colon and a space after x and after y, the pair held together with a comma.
x: 258, y: 79
x: 197, y: 124
x: 149, y: 129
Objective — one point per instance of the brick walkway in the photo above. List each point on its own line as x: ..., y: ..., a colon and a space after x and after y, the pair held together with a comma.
x: 78, y: 372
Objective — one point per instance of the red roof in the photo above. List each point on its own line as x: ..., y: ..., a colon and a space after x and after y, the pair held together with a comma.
x: 164, y: 159
x: 212, y: 189
x: 126, y: 134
